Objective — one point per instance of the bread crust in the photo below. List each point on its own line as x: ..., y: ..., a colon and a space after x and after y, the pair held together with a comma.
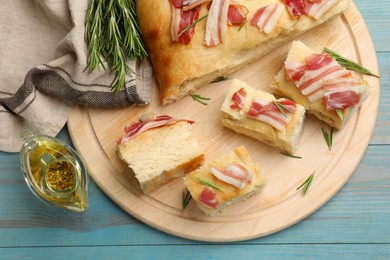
x: 180, y: 69
x: 286, y: 140
x: 168, y: 176
x: 160, y: 155
x: 286, y: 88
x: 229, y: 194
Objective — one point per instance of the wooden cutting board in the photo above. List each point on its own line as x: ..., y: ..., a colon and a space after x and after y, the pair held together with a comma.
x: 94, y: 133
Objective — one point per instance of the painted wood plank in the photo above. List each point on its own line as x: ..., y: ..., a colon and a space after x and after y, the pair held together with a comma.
x: 382, y: 128
x: 359, y: 213
x: 226, y: 252
x: 377, y: 18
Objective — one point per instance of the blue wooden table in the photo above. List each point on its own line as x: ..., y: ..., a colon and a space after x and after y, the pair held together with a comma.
x: 355, y: 224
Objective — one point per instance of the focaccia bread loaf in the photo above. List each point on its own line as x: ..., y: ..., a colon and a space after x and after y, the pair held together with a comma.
x: 180, y: 68
x: 283, y: 86
x: 161, y: 154
x: 248, y: 181
x: 285, y: 139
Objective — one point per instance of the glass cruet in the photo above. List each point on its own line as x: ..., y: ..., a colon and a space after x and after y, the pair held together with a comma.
x: 54, y: 172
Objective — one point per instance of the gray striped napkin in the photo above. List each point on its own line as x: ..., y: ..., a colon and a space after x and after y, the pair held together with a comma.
x: 43, y: 57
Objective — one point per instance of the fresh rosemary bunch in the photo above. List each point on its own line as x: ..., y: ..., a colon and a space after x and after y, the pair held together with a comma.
x: 112, y: 35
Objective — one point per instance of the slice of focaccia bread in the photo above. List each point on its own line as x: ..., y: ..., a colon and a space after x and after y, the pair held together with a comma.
x: 191, y: 43
x: 231, y: 178
x: 159, y: 150
x: 321, y: 85
x: 260, y: 115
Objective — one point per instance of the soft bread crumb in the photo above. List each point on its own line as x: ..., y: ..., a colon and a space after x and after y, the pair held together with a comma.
x: 162, y: 154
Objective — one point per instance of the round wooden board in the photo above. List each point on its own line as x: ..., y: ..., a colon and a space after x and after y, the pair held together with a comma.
x: 94, y: 133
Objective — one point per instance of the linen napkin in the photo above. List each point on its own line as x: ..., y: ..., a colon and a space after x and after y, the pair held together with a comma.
x: 42, y: 62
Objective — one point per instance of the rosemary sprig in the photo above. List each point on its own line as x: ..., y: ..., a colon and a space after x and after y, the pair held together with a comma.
x: 282, y: 108
x: 349, y: 64
x: 242, y: 25
x: 132, y: 37
x: 192, y: 25
x: 93, y: 31
x: 307, y: 183
x: 211, y: 185
x: 291, y: 155
x: 113, y: 36
x: 340, y: 114
x: 328, y: 137
x: 186, y: 198
x: 200, y: 99
x: 219, y: 79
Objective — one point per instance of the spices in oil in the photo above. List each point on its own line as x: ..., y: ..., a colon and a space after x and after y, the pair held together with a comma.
x: 54, y: 172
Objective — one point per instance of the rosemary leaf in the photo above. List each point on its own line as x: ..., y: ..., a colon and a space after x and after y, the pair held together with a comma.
x: 186, y: 198
x: 307, y: 183
x: 219, y: 79
x: 211, y: 185
x: 282, y: 108
x: 200, y: 99
x: 291, y: 155
x: 112, y: 37
x: 340, y: 114
x: 93, y: 28
x: 242, y: 25
x: 192, y: 25
x: 349, y: 64
x: 328, y: 137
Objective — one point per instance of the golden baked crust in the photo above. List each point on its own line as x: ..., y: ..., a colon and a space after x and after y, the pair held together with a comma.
x: 180, y: 69
x: 230, y: 194
x: 286, y: 140
x: 286, y: 88
x: 168, y: 176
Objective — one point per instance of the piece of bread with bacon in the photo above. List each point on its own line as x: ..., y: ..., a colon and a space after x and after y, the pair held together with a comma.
x: 159, y: 149
x: 261, y: 116
x: 222, y: 36
x: 224, y: 181
x: 320, y: 84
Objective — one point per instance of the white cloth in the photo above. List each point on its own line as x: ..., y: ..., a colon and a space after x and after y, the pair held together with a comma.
x: 43, y: 57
